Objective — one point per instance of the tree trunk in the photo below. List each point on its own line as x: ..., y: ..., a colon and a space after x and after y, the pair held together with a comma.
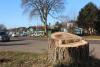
x: 67, y: 48
x: 44, y: 20
x: 46, y: 31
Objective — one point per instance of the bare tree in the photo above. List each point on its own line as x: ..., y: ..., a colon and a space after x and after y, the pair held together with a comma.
x: 63, y: 20
x: 43, y: 8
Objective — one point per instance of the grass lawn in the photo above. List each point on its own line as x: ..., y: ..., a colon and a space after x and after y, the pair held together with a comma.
x: 18, y: 59
x: 91, y: 37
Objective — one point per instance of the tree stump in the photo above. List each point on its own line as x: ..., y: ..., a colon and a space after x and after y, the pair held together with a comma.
x: 67, y: 48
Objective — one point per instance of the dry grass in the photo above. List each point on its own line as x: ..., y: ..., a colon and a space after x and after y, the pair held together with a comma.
x: 92, y: 62
x: 18, y: 59
x: 91, y: 37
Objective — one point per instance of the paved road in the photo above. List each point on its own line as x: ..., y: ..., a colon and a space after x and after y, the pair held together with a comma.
x: 94, y: 41
x: 40, y: 46
x: 94, y: 46
x: 24, y: 45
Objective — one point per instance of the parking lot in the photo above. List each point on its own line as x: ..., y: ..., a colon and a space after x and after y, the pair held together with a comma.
x: 24, y: 44
x: 30, y: 44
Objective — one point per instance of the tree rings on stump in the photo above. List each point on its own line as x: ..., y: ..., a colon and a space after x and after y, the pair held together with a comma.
x: 67, y: 48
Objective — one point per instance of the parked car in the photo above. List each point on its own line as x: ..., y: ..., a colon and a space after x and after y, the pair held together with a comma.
x: 78, y: 31
x: 4, y: 36
x: 38, y: 33
x: 14, y: 35
x: 23, y: 34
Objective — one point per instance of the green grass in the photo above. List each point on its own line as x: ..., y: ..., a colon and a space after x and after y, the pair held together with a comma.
x: 18, y: 59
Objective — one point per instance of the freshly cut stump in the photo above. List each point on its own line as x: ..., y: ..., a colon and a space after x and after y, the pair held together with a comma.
x: 67, y: 48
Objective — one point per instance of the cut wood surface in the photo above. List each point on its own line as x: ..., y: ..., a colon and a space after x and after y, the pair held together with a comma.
x: 67, y: 48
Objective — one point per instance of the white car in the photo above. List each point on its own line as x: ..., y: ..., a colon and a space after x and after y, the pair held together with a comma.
x: 38, y: 33
x: 14, y: 35
x: 23, y: 34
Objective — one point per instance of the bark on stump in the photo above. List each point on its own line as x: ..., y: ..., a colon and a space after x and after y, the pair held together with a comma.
x: 67, y: 48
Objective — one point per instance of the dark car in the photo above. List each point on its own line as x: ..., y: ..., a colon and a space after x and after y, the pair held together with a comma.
x: 4, y: 36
